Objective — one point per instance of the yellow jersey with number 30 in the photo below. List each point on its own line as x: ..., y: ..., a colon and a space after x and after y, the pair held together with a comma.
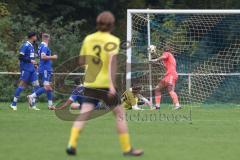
x: 97, y: 49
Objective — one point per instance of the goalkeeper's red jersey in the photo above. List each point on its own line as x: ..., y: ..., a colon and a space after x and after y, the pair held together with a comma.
x: 170, y: 64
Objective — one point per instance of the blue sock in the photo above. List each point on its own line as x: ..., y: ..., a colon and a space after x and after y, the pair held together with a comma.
x: 40, y: 91
x: 34, y: 90
x: 16, y: 95
x: 50, y: 97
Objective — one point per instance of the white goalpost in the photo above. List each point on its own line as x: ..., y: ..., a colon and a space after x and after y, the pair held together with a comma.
x: 206, y: 45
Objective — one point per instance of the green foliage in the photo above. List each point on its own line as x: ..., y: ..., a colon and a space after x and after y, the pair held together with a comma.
x: 4, y: 22
x: 3, y: 10
x: 8, y: 63
x: 136, y: 4
x: 4, y: 28
x: 7, y: 58
x: 65, y: 37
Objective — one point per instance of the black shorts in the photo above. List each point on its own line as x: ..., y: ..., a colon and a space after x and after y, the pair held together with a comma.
x: 94, y: 95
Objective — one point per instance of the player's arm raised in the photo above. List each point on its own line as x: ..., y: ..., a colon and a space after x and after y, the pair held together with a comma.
x: 163, y: 57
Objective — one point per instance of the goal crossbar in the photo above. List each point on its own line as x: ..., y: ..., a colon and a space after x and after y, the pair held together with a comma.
x: 185, y: 11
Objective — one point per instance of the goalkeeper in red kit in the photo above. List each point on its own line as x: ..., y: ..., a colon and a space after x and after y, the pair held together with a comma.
x: 169, y: 80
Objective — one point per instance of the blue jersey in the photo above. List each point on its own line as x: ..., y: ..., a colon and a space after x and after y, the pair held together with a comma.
x: 27, y: 51
x: 44, y: 65
x: 77, y: 94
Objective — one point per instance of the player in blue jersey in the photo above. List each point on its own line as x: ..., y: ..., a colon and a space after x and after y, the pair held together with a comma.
x: 75, y: 100
x: 45, y: 71
x: 27, y: 69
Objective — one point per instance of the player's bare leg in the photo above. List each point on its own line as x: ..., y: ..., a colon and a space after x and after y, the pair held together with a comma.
x: 78, y: 126
x: 48, y: 89
x: 75, y: 106
x: 158, y: 95
x: 174, y: 97
x: 122, y: 130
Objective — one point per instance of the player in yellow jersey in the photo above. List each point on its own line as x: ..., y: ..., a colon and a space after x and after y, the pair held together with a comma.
x: 131, y: 97
x: 98, y: 55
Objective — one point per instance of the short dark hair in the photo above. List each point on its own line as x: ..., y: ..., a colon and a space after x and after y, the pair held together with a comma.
x: 31, y: 34
x: 167, y: 48
x: 45, y: 35
x: 105, y: 21
x: 136, y: 89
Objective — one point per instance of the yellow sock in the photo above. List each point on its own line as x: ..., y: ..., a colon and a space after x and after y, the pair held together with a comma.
x: 125, y: 142
x: 75, y: 132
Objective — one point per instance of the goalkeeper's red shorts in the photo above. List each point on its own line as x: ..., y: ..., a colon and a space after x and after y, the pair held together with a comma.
x: 169, y: 80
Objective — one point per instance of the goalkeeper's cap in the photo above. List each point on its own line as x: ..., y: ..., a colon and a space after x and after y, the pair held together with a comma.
x: 105, y: 21
x: 31, y: 34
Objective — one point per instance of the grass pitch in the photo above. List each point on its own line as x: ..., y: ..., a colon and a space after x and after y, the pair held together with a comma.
x: 213, y: 134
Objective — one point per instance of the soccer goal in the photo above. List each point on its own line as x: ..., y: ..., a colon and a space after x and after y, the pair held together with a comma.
x: 205, y: 43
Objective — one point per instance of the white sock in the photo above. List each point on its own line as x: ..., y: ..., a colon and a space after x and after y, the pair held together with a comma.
x: 50, y: 103
x: 177, y: 105
x: 135, y: 107
x: 33, y: 95
x: 15, y: 99
x: 158, y: 105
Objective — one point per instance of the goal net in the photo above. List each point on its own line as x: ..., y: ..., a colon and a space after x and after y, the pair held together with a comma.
x: 205, y: 43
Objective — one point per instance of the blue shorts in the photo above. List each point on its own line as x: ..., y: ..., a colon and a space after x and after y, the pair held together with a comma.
x: 76, y: 98
x: 45, y: 77
x: 29, y: 77
x: 80, y: 99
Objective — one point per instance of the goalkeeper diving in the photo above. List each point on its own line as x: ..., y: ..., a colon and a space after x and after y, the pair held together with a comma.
x: 169, y: 80
x: 74, y: 100
x: 130, y: 99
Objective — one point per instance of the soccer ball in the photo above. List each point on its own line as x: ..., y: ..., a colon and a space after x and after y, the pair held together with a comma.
x: 152, y: 49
